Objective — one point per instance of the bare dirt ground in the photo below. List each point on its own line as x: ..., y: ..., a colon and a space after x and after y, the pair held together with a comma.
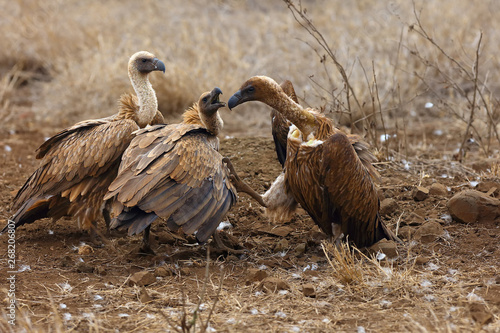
x: 438, y: 281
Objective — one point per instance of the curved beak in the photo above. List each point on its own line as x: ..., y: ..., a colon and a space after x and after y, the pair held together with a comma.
x: 234, y: 100
x: 214, y: 98
x: 159, y: 65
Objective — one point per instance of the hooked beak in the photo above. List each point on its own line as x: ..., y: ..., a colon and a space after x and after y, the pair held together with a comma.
x: 159, y: 65
x: 234, y: 100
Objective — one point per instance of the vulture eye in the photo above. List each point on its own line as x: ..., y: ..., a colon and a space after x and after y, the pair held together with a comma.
x: 205, y: 99
x: 144, y: 59
x: 251, y: 89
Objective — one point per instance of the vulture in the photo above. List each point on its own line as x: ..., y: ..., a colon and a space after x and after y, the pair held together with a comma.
x: 177, y: 173
x: 79, y: 163
x: 322, y: 170
x: 280, y: 127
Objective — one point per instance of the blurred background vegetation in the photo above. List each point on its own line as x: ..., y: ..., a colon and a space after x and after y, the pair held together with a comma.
x: 410, y: 65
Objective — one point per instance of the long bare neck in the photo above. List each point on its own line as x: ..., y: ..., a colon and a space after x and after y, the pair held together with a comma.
x: 213, y: 123
x: 281, y: 102
x: 148, y: 104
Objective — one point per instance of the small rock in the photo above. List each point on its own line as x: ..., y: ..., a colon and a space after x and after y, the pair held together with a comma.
x: 415, y: 220
x: 85, y: 249
x: 300, y: 249
x: 420, y: 260
x: 308, y: 290
x: 483, y: 165
x: 66, y: 261
x: 281, y: 246
x: 480, y: 313
x: 100, y: 270
x: 142, y: 278
x: 272, y: 284
x: 385, y: 246
x: 388, y: 206
x: 144, y: 296
x: 429, y: 232
x: 311, y: 273
x: 232, y: 258
x: 163, y: 272
x: 438, y: 189
x: 83, y: 267
x: 420, y: 193
x: 489, y: 186
x: 405, y: 232
x: 472, y: 206
x: 256, y: 275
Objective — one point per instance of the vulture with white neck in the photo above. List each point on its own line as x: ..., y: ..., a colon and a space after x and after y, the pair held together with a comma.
x: 322, y: 171
x: 79, y: 163
x: 177, y: 173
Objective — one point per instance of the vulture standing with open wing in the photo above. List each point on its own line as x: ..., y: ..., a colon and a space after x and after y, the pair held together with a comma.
x: 175, y: 172
x: 78, y: 164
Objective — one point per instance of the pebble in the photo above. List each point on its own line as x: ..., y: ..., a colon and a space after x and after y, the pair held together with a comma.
x: 308, y: 290
x: 300, y: 249
x: 163, y: 272
x: 385, y: 246
x: 282, y: 245
x: 256, y: 275
x: 438, y: 189
x: 388, y: 206
x: 420, y: 193
x: 142, y: 278
x: 429, y: 232
x: 82, y: 267
x: 273, y: 284
x: 471, y: 206
x: 480, y: 313
x: 144, y: 296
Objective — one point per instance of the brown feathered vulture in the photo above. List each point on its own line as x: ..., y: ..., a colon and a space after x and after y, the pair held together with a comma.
x: 79, y: 163
x: 322, y: 170
x: 175, y: 172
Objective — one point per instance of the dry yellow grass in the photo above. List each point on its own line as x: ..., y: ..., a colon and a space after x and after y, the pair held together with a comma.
x: 82, y: 50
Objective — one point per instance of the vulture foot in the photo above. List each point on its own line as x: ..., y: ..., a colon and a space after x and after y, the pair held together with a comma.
x: 146, y: 246
x: 220, y: 244
x: 96, y: 237
x: 240, y: 185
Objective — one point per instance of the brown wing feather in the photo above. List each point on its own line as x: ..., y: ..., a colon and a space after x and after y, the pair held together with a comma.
x: 78, y: 164
x: 333, y: 186
x: 178, y: 175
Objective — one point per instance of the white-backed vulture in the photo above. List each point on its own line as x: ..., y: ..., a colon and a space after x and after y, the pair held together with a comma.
x: 78, y: 164
x: 322, y: 170
x: 280, y: 127
x: 175, y: 172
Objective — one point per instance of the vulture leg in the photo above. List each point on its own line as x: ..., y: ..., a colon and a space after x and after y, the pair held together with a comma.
x: 337, y: 234
x: 107, y: 216
x: 220, y: 244
x: 146, y: 246
x: 240, y: 185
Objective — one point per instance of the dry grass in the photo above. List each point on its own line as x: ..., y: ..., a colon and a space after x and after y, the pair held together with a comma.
x: 83, y: 48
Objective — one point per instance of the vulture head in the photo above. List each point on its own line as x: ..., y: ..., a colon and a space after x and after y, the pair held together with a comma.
x: 256, y: 88
x: 145, y: 62
x: 209, y: 102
